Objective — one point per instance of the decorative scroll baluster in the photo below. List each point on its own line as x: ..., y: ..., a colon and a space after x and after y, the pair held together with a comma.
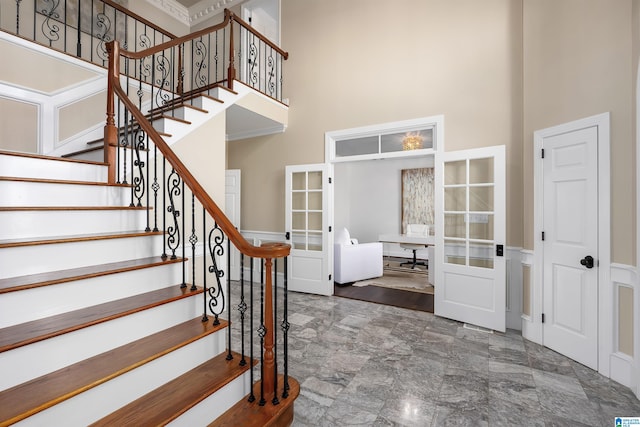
x: 216, y: 295
x: 173, y: 231
x: 50, y: 29
x: 139, y: 187
x: 200, y: 58
x: 270, y: 72
x: 104, y: 25
x: 163, y: 65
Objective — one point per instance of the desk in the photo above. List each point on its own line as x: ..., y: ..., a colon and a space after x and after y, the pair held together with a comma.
x: 427, y: 241
x: 403, y: 238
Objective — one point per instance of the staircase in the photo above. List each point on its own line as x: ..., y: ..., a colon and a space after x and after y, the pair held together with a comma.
x: 96, y: 328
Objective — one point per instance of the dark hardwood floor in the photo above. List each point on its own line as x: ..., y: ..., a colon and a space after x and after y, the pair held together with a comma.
x: 395, y: 297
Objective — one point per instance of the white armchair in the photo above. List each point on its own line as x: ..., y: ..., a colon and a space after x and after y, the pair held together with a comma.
x: 355, y: 261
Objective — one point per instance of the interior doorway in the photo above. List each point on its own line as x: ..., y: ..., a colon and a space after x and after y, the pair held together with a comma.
x: 572, y: 247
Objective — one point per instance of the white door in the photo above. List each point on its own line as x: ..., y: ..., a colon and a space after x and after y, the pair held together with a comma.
x: 307, y: 228
x: 570, y: 242
x: 232, y: 210
x: 470, y: 280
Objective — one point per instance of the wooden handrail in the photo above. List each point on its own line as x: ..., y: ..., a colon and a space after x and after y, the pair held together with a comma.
x: 273, y: 250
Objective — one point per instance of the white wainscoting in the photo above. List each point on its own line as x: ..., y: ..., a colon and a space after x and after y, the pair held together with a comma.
x: 623, y: 368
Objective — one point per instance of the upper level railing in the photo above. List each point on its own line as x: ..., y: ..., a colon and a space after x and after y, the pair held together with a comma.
x: 175, y: 67
x: 80, y: 27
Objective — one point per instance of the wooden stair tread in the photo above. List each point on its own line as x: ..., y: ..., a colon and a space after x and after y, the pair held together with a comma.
x: 174, y: 398
x: 16, y: 336
x: 84, y: 151
x: 34, y: 241
x: 12, y: 284
x: 61, y: 181
x: 40, y: 156
x: 41, y: 393
x: 251, y: 414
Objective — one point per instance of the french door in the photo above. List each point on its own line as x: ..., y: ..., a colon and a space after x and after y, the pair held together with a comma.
x: 307, y: 228
x: 470, y: 267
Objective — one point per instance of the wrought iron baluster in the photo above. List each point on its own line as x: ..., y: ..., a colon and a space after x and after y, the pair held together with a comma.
x: 193, y: 239
x: 252, y: 396
x: 262, y: 331
x: 184, y: 230
x: 205, y: 318
x: 18, y: 17
x: 49, y: 28
x: 138, y: 179
x: 216, y: 295
x: 273, y: 322
x: 164, y: 207
x: 285, y: 328
x: 200, y: 58
x: 173, y: 231
x: 242, y: 308
x: 229, y: 355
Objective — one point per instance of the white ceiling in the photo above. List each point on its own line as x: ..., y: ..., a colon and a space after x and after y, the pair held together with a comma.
x: 193, y: 11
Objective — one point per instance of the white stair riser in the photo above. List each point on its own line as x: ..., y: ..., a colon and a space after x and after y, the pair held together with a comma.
x: 17, y: 193
x: 24, y: 260
x: 29, y: 167
x: 100, y: 401
x: 172, y: 127
x: 215, y: 405
x: 224, y: 95
x: 25, y: 224
x: 54, y: 299
x: 190, y: 115
x: 34, y: 360
x: 206, y: 103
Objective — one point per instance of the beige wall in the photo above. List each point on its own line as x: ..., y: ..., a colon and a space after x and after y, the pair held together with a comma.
x: 396, y: 61
x: 577, y: 63
x: 17, y: 130
x: 78, y: 116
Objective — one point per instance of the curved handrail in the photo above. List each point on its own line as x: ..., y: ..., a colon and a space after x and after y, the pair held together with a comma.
x: 271, y: 250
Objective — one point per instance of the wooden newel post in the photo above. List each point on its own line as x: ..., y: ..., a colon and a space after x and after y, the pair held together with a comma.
x: 268, y: 379
x: 231, y: 72
x: 110, y: 130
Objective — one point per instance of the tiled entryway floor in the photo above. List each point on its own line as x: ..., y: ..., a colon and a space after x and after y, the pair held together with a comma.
x: 367, y: 364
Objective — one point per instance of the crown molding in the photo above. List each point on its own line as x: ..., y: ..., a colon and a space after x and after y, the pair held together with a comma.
x: 173, y: 8
x: 199, y: 12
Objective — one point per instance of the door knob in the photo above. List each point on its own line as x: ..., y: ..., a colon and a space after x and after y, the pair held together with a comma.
x: 587, y: 261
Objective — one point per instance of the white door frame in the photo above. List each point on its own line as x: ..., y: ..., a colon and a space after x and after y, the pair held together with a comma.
x: 534, y: 330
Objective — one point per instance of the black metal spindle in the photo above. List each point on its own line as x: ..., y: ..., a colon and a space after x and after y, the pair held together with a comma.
x: 273, y: 322
x: 183, y: 228
x: 205, y: 318
x: 164, y: 207
x: 285, y: 329
x: 262, y: 331
x: 229, y: 355
x: 242, y: 308
x: 252, y: 396
x: 193, y: 239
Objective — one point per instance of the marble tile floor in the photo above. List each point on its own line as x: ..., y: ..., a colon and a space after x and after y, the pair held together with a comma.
x: 367, y: 364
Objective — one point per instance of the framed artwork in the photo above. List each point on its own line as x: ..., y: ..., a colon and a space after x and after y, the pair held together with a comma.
x: 417, y: 197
